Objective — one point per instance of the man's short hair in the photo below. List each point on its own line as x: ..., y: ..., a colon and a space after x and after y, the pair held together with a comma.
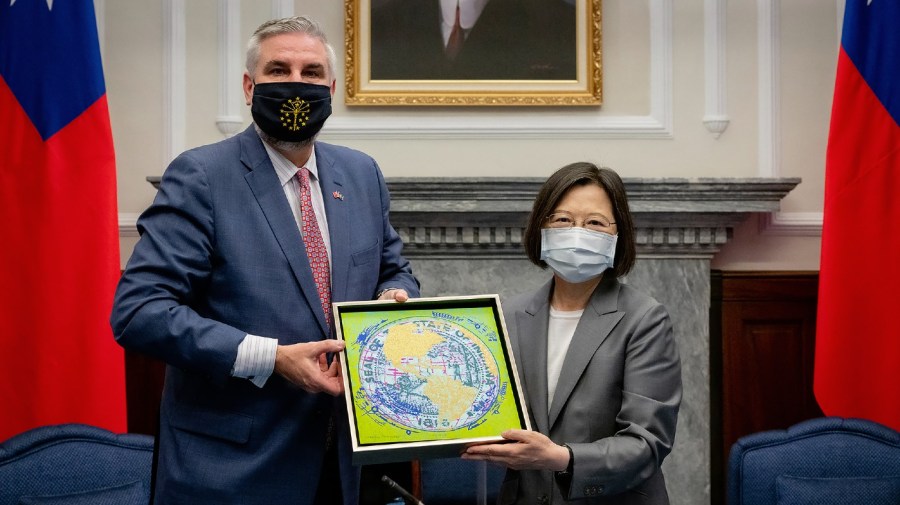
x: 296, y: 24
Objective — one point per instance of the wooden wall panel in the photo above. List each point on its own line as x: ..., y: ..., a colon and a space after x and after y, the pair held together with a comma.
x: 144, y: 377
x: 764, y: 328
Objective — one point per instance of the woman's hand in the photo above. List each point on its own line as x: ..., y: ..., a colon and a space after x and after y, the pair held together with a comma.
x: 531, y: 451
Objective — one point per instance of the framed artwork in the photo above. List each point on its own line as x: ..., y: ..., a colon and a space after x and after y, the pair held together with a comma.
x: 473, y: 52
x: 425, y: 377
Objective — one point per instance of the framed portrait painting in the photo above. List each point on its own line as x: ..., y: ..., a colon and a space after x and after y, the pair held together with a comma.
x: 425, y: 377
x: 473, y: 52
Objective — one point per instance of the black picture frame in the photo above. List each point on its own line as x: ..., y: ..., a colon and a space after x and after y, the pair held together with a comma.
x: 426, y: 377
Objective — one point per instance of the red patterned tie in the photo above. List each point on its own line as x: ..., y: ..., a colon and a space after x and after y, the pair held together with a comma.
x: 455, y: 42
x: 315, y: 246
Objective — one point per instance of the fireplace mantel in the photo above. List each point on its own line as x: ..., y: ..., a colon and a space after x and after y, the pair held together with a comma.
x: 466, y: 217
x: 484, y: 216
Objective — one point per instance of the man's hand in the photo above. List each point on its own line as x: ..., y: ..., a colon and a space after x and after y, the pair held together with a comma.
x: 399, y: 295
x: 306, y: 366
x: 532, y: 451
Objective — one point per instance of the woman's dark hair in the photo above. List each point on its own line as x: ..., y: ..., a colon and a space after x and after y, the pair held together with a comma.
x: 553, y: 190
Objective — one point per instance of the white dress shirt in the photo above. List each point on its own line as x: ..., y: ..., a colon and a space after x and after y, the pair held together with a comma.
x: 469, y: 11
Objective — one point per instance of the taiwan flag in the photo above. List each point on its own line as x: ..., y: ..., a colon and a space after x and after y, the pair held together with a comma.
x: 858, y: 327
x: 59, y: 249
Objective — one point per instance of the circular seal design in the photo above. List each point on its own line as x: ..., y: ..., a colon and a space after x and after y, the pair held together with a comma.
x: 428, y: 375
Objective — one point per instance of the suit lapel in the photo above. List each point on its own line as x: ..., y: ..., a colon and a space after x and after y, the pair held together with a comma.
x: 599, y: 319
x: 531, y: 331
x: 337, y: 208
x: 267, y: 190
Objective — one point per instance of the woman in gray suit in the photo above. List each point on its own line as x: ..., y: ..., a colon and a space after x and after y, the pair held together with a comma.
x: 597, y: 358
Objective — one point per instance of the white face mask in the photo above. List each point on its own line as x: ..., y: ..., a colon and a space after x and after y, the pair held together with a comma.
x: 576, y: 254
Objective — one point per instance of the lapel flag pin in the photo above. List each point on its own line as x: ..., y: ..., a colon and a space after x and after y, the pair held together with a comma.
x: 337, y: 195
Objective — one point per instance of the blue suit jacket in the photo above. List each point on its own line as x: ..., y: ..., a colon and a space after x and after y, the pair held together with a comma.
x: 220, y: 256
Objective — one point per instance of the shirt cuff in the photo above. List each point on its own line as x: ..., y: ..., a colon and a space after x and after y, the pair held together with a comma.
x: 255, y: 359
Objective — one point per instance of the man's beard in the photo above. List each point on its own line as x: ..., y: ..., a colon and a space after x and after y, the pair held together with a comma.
x: 284, y: 145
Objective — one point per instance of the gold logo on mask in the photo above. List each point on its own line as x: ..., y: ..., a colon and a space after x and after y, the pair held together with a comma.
x: 294, y: 113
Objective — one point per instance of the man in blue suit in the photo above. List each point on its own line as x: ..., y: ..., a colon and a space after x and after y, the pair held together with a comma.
x: 242, y: 251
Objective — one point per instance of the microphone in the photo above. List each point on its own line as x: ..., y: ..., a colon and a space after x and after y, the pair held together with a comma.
x: 404, y: 493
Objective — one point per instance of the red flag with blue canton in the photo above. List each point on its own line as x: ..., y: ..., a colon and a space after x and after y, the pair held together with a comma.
x: 59, y: 245
x: 858, y: 328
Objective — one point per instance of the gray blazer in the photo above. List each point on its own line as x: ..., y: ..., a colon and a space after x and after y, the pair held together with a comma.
x: 616, y: 402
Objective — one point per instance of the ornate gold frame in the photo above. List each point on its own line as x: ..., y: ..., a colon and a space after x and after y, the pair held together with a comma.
x: 586, y: 90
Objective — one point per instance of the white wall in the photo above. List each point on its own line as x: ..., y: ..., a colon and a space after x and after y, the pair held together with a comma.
x: 162, y: 64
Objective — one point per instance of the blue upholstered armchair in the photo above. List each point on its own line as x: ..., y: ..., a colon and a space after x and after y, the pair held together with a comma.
x: 822, y: 461
x: 75, y: 464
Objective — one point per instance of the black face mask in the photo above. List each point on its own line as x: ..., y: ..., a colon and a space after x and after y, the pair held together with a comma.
x: 291, y: 111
